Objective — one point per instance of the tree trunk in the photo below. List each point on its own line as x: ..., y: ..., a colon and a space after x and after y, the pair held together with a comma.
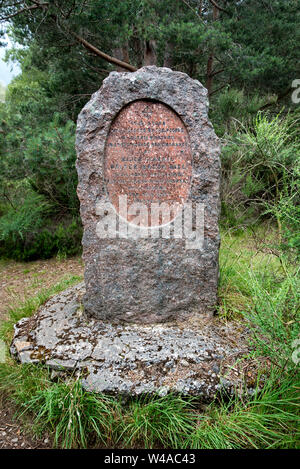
x: 121, y: 53
x: 150, y: 53
x: 168, y: 57
x: 210, y: 62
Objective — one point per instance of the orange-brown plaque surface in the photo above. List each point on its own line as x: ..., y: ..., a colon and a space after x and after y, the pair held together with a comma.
x: 148, y: 158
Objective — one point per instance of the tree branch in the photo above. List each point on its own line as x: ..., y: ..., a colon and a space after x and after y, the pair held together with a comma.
x: 192, y: 9
x: 81, y: 40
x: 101, y: 54
x: 25, y: 9
x: 7, y: 17
x: 218, y: 7
x: 213, y: 74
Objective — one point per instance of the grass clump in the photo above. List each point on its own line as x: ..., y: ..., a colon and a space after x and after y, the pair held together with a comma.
x: 270, y: 420
x: 243, y: 258
x: 164, y: 420
x: 74, y: 416
x: 21, y: 382
x: 65, y: 410
x: 273, y: 317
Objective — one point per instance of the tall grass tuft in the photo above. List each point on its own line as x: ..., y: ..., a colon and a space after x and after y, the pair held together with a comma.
x: 20, y: 383
x: 269, y: 420
x: 76, y: 417
x: 273, y: 317
x: 156, y: 420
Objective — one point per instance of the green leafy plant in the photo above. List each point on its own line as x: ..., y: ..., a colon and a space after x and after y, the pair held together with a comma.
x: 26, y: 217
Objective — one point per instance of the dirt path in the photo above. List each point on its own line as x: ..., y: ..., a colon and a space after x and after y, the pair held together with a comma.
x: 18, y: 281
x: 13, y: 437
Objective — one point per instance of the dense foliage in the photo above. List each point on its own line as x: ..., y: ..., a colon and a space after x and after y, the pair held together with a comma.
x: 245, y: 52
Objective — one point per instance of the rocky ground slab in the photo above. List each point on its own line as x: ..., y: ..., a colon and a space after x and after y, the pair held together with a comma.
x: 195, y: 357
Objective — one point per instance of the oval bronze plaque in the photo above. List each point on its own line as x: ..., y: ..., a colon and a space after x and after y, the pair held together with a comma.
x: 148, y: 159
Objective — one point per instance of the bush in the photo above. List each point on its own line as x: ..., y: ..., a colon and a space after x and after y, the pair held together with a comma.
x: 44, y: 158
x: 63, y: 239
x: 232, y: 106
x: 38, y: 182
x: 23, y: 217
x: 49, y: 164
x: 260, y: 170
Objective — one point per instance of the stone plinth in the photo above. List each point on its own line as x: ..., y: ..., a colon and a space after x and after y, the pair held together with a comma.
x: 194, y: 357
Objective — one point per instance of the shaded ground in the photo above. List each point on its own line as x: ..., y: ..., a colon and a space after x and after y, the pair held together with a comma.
x: 13, y: 437
x: 18, y: 281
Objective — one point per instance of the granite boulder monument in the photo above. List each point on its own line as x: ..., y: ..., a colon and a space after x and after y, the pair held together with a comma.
x: 148, y: 168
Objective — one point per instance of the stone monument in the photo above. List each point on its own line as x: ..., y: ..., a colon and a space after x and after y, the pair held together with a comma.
x: 148, y: 171
x: 144, y: 139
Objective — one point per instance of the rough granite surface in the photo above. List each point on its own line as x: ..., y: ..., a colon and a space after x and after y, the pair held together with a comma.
x: 146, y: 280
x: 189, y: 357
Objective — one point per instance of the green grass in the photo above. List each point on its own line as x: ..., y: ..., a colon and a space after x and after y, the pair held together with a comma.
x: 240, y: 262
x: 76, y: 418
x: 160, y: 420
x: 255, y: 286
x: 22, y: 382
x: 269, y: 420
x: 263, y: 289
x: 273, y: 318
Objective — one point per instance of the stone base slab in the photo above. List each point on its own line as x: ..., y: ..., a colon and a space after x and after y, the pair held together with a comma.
x: 189, y: 357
